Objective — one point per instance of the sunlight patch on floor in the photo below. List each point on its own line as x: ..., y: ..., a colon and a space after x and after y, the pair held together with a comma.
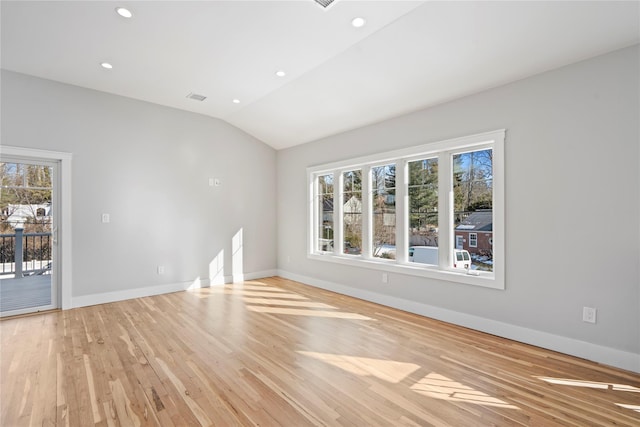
x: 312, y: 313
x: 263, y: 288
x: 387, y: 370
x: 627, y: 406
x: 241, y: 292
x: 590, y: 384
x: 440, y: 387
x: 287, y: 303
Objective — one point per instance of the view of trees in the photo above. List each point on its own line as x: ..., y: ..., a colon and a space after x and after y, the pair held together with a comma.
x: 384, y: 209
x: 423, y: 202
x: 352, y: 211
x: 473, y: 180
x: 25, y: 202
x: 325, y: 203
x: 22, y: 188
x: 472, y: 189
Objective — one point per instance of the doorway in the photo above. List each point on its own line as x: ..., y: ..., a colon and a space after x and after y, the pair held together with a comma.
x: 28, y: 228
x: 35, y: 207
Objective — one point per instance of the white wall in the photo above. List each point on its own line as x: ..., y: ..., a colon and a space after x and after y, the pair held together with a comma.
x: 148, y: 166
x: 572, y: 208
x: 572, y: 199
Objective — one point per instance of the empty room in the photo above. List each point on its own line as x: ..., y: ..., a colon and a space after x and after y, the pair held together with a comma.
x: 320, y: 213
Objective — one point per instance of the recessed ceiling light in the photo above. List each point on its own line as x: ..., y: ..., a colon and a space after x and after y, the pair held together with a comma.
x: 280, y: 73
x: 236, y: 101
x: 125, y: 13
x: 106, y: 65
x: 358, y: 22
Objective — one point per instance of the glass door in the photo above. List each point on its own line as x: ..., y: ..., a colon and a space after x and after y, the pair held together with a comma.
x: 27, y: 236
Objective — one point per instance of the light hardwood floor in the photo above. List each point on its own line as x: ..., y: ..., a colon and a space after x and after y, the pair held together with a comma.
x: 273, y: 352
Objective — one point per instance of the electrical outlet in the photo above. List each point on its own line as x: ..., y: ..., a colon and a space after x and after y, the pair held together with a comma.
x: 161, y: 269
x: 105, y: 218
x: 385, y: 278
x: 589, y: 314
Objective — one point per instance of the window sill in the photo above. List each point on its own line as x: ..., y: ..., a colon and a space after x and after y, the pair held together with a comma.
x: 483, y: 279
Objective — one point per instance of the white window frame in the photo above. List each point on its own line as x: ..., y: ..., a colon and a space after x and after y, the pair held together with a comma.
x: 473, y: 240
x: 445, y: 151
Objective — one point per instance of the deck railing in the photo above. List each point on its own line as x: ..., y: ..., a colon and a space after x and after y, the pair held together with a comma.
x: 25, y: 253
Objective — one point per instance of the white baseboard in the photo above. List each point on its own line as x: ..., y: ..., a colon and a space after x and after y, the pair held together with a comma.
x: 254, y: 275
x: 596, y: 353
x: 106, y: 297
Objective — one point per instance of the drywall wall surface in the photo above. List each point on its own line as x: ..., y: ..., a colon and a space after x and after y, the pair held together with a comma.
x: 572, y: 202
x: 149, y: 167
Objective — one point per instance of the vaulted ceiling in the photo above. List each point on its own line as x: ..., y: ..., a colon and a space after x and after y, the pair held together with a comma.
x: 409, y: 54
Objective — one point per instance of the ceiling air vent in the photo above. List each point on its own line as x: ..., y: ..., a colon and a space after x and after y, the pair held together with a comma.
x: 196, y: 96
x: 324, y: 3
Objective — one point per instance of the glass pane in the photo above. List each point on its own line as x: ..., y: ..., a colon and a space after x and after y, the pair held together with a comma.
x: 12, y: 174
x: 423, y: 210
x: 27, y: 209
x: 25, y: 237
x: 473, y: 199
x: 352, y: 212
x: 383, y: 199
x: 325, y: 214
x: 21, y: 207
x: 38, y: 176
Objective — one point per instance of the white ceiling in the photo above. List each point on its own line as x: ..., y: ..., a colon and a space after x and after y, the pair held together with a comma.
x: 409, y: 55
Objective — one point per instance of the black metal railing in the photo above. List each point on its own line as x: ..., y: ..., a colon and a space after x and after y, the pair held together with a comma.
x: 33, y: 253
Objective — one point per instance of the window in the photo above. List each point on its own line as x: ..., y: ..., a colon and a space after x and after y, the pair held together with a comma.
x: 324, y: 204
x: 352, y: 211
x: 383, y: 209
x: 411, y: 211
x: 423, y: 206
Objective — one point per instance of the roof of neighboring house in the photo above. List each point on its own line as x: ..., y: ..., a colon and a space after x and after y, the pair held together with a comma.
x: 327, y: 205
x: 480, y: 220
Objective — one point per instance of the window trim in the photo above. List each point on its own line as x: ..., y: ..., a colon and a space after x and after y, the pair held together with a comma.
x: 444, y: 150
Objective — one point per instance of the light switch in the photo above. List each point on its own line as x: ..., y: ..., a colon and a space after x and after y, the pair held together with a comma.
x: 105, y: 218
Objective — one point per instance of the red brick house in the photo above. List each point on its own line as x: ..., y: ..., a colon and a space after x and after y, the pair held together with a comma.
x: 475, y: 233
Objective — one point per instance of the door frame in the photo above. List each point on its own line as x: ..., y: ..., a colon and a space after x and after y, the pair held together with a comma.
x: 63, y: 177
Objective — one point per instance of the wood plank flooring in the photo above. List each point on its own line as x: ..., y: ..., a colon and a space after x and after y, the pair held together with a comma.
x: 273, y: 352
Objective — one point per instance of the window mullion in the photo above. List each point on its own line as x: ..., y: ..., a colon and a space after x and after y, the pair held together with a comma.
x: 402, y: 212
x: 367, y: 212
x: 338, y: 210
x: 445, y: 209
x: 314, y: 214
